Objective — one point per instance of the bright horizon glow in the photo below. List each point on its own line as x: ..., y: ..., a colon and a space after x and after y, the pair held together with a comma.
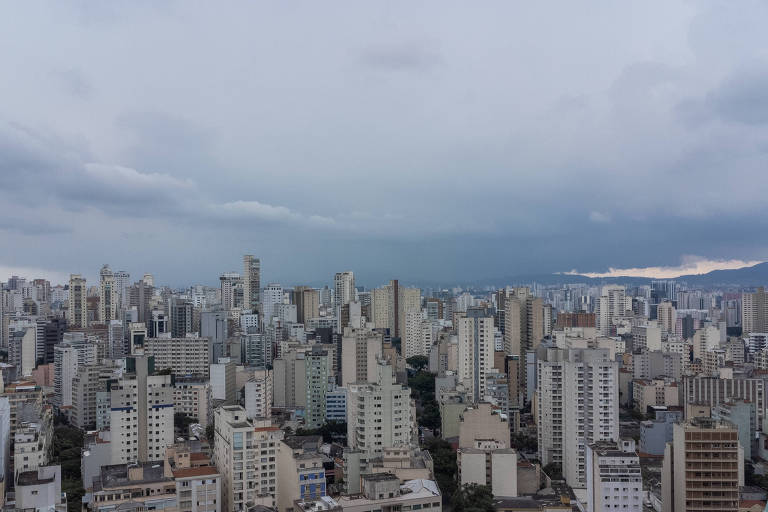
x: 691, y: 265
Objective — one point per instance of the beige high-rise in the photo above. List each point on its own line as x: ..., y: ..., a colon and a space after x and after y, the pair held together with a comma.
x: 703, y: 467
x: 77, y: 314
x: 754, y: 312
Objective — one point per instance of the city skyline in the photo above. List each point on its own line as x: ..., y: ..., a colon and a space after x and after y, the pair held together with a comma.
x: 472, y: 143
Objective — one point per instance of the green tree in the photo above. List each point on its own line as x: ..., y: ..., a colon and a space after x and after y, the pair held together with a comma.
x: 473, y: 498
x: 210, y: 434
x: 66, y: 451
x: 554, y: 471
x: 165, y: 371
x: 418, y: 363
x: 182, y: 422
x: 444, y: 461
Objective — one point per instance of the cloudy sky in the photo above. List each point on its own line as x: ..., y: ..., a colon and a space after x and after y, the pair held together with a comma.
x: 431, y: 141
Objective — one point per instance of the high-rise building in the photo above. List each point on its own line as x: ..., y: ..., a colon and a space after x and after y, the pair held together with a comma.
x: 22, y: 350
x: 88, y: 381
x: 418, y: 335
x: 476, y: 348
x: 141, y: 419
x: 667, y: 316
x: 190, y: 398
x: 754, y: 312
x: 77, y: 314
x: 245, y: 451
x: 344, y: 289
x: 271, y: 296
x: 214, y: 326
x: 259, y: 393
x: 317, y: 370
x: 49, y: 334
x: 609, y: 307
x: 307, y: 303
x: 184, y: 356
x: 360, y: 349
x: 122, y: 282
x: 577, y: 404
x: 252, y: 283
x: 229, y: 284
x: 108, y: 296
x: 379, y: 413
x: 256, y: 349
x: 180, y: 317
x: 703, y: 467
x: 614, y: 480
x: 67, y: 358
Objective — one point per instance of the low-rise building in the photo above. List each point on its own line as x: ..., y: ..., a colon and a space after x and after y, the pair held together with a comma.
x: 384, y: 491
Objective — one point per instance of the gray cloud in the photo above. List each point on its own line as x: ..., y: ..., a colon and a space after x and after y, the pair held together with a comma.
x: 409, y: 57
x: 430, y: 141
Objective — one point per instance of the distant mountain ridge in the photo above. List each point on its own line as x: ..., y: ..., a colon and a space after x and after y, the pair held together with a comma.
x: 756, y: 275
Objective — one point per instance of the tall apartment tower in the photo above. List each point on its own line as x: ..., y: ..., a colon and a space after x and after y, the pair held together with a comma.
x: 180, y: 317
x: 122, y: 282
x: 379, y: 414
x: 245, y: 451
x: 667, y: 316
x: 391, y: 303
x: 229, y: 283
x: 108, y: 296
x: 614, y: 479
x: 272, y: 295
x: 476, y: 347
x: 418, y: 335
x: 252, y: 283
x: 577, y: 395
x: 316, y: 378
x: 703, y: 467
x: 360, y: 348
x: 77, y: 314
x: 141, y: 418
x: 344, y: 289
x: 307, y: 302
x: 611, y: 305
x: 754, y: 312
x: 523, y: 320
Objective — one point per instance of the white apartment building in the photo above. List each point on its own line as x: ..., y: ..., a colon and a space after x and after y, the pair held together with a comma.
x: 614, y: 481
x: 67, y: 358
x: 476, y: 348
x: 190, y: 397
x: 610, y: 306
x: 418, y: 334
x: 141, y: 418
x: 258, y: 394
x: 31, y: 446
x: 344, y: 289
x: 77, y: 313
x: 245, y: 452
x: 184, y: 356
x: 271, y: 296
x: 379, y: 414
x: 578, y: 404
x: 108, y: 296
x: 360, y: 349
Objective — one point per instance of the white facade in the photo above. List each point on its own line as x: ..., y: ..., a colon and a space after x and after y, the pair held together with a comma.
x: 379, y: 415
x: 184, y: 356
x: 246, y: 454
x: 476, y: 347
x: 272, y: 295
x: 578, y: 403
x: 614, y: 481
x: 141, y: 418
x: 258, y: 394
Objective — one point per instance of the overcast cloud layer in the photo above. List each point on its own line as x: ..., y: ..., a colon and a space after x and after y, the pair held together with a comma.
x: 426, y: 141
